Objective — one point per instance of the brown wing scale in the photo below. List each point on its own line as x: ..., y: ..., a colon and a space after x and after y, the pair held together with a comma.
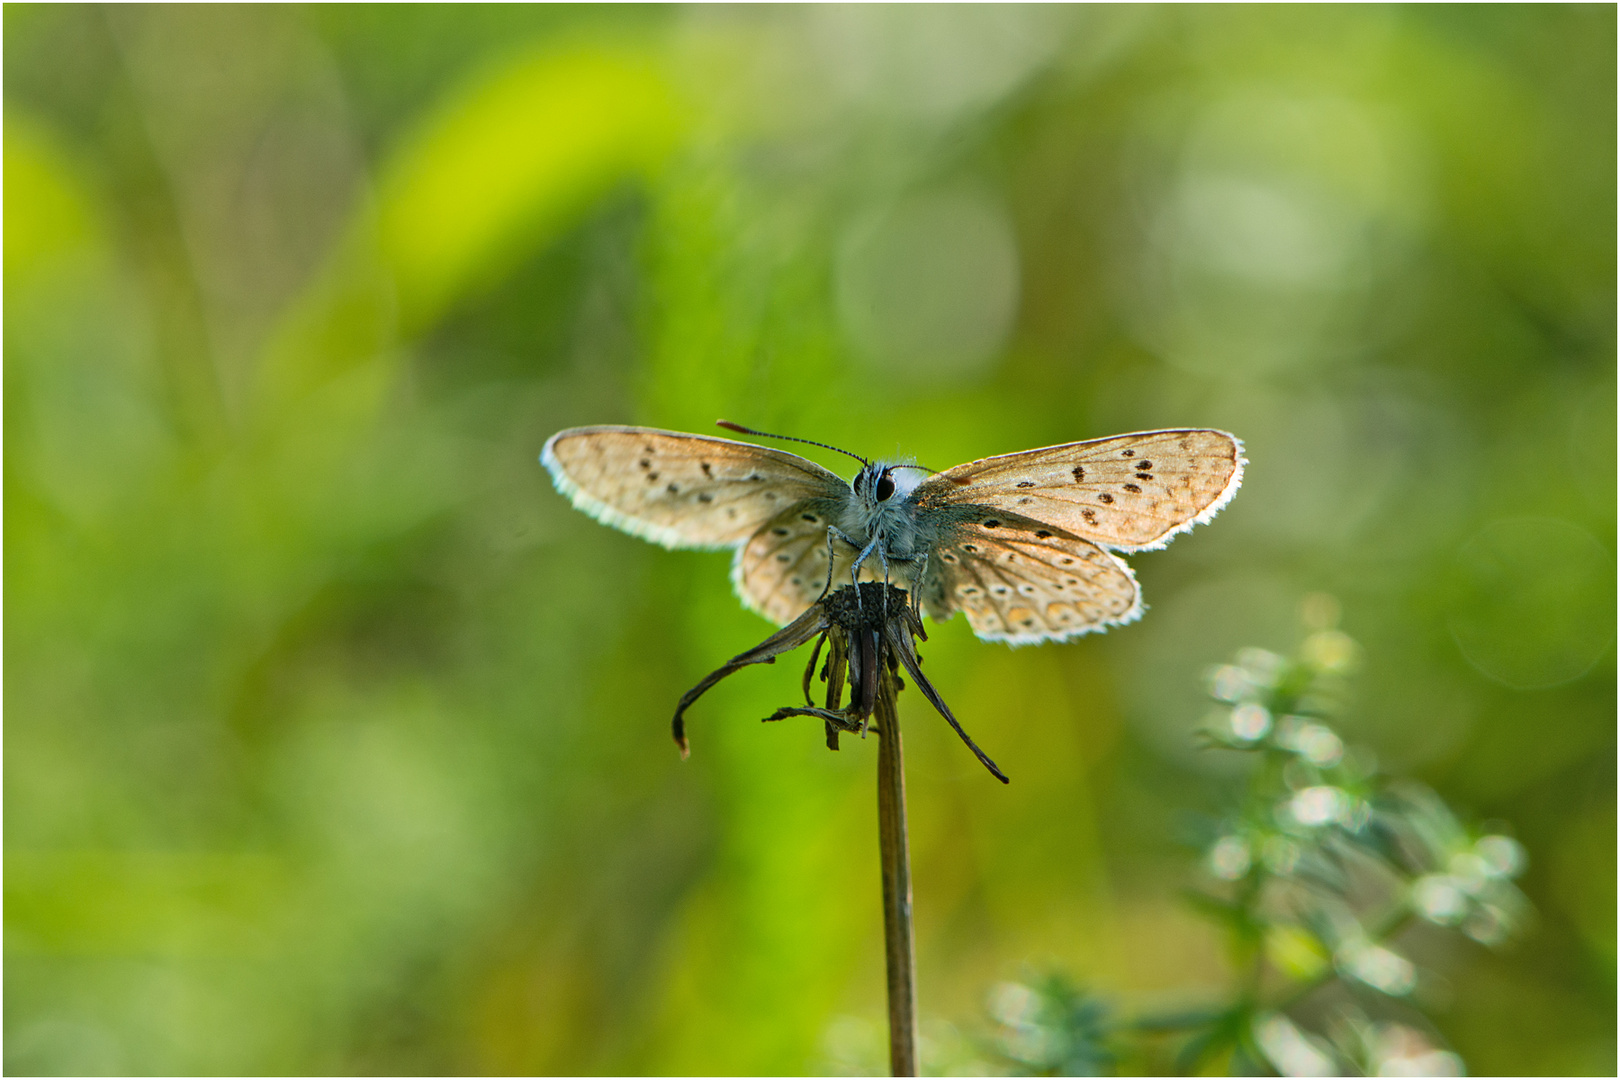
x: 679, y: 490
x: 1131, y: 492
x: 1017, y: 586
x: 782, y: 569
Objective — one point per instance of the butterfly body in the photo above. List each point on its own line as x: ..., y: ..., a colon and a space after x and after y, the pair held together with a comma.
x: 1022, y: 544
x: 882, y: 513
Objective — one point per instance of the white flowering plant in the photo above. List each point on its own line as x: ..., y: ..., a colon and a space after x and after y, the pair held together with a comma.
x: 1324, y: 872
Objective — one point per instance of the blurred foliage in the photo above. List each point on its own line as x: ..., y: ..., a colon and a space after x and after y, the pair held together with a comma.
x: 1326, y: 869
x: 1051, y: 1028
x: 336, y: 742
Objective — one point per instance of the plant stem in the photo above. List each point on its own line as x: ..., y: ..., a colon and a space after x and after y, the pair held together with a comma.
x: 896, y: 856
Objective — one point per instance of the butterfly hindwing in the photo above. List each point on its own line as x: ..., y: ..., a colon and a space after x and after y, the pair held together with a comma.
x: 1023, y: 585
x: 782, y: 569
x: 680, y: 490
x: 1131, y: 492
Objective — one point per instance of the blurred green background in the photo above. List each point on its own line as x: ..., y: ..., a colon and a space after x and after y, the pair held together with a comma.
x: 336, y: 742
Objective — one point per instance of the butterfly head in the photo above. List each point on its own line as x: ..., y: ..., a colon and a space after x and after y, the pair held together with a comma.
x: 881, y: 482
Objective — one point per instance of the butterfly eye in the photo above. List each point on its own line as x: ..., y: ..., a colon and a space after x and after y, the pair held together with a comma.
x: 885, y: 487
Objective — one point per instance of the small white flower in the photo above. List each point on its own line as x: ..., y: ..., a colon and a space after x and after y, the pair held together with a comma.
x: 1319, y: 805
x: 1438, y: 899
x: 1378, y: 967
x: 1488, y: 925
x: 1013, y: 1003
x: 1250, y: 721
x: 1229, y: 683
x: 1319, y: 745
x: 1290, y: 1051
x: 1503, y: 855
x: 1229, y: 858
x: 1398, y: 1050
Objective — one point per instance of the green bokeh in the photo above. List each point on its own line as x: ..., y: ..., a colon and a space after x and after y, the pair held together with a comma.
x: 336, y: 742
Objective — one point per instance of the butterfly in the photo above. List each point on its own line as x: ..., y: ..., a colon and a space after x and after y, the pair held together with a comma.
x: 1022, y: 544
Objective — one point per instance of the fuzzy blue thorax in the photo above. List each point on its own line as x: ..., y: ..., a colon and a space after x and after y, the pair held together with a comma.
x: 883, y: 506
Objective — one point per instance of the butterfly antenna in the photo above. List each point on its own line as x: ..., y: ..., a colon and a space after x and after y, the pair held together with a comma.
x: 729, y: 426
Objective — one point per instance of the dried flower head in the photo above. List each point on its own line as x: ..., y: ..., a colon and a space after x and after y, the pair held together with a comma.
x: 869, y: 631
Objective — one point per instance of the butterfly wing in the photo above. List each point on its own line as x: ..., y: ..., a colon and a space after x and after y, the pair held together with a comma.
x: 1130, y: 492
x: 1022, y: 584
x: 680, y: 490
x: 782, y: 569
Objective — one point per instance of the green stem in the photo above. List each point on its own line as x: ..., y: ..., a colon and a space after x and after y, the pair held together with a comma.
x: 896, y: 859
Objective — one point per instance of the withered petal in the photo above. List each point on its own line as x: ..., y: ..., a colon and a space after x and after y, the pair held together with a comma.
x: 790, y: 637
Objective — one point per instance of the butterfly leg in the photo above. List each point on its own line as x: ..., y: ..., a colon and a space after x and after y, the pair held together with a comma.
x: 831, y: 532
x: 855, y: 571
x: 883, y: 557
x: 916, y: 584
x: 875, y: 545
x: 834, y: 532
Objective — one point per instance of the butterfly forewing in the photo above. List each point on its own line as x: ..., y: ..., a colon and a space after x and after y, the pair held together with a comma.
x: 682, y: 490
x: 1129, y: 492
x: 1017, y: 585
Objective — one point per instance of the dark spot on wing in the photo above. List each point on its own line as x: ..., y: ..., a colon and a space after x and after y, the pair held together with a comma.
x: 1133, y: 489
x: 1127, y: 453
x: 1042, y: 533
x: 731, y: 511
x: 796, y: 581
x: 705, y: 497
x: 1025, y: 483
x: 649, y: 450
x: 652, y: 478
x: 948, y: 557
x: 1105, y: 497
x: 1143, y: 466
x: 1066, y: 561
x: 970, y: 547
x: 707, y: 471
x: 811, y: 518
x: 1025, y: 499
x: 1079, y: 473
x: 1089, y: 515
x: 645, y: 464
x: 1144, y: 476
x: 784, y: 557
x: 673, y: 489
x: 991, y: 523
x: 779, y: 531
